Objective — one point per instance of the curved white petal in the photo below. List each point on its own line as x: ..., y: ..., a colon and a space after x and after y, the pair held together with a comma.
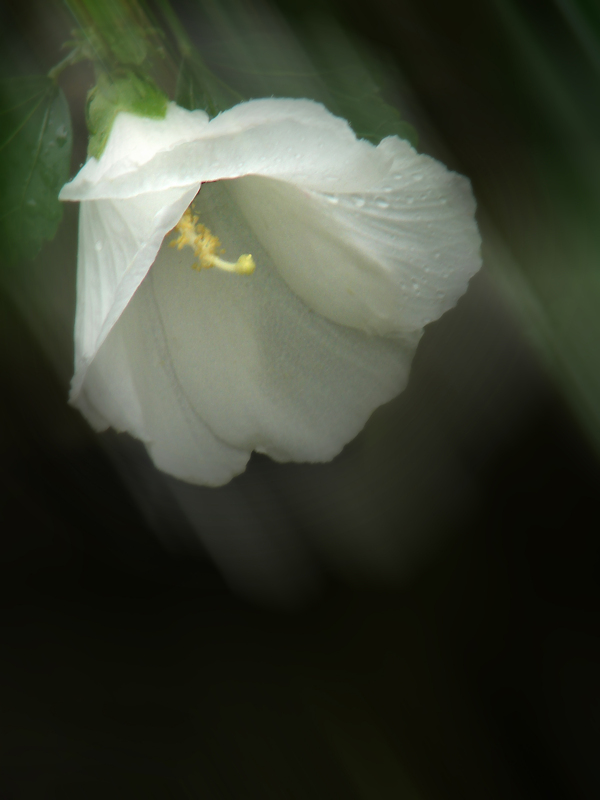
x: 118, y: 241
x: 261, y: 369
x: 388, y: 260
x: 133, y: 142
x: 292, y: 140
x: 131, y: 385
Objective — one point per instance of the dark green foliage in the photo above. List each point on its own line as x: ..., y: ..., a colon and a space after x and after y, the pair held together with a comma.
x: 35, y: 151
x: 320, y: 63
x: 197, y: 87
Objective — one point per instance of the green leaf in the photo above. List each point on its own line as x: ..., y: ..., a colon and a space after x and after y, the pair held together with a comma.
x: 197, y: 87
x: 115, y: 92
x: 35, y: 152
x: 320, y: 62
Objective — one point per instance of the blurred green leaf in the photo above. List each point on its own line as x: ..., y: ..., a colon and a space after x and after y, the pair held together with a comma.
x: 197, y: 87
x: 264, y: 58
x: 117, y: 32
x: 553, y: 279
x: 323, y: 65
x: 35, y: 151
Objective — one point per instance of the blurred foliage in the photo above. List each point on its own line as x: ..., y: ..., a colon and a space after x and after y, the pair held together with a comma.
x: 115, y: 32
x: 198, y: 87
x: 245, y: 58
x: 35, y: 150
x: 555, y: 280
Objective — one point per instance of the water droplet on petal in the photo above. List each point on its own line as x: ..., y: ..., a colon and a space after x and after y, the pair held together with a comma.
x: 98, y: 246
x: 331, y: 198
x: 417, y: 176
x: 359, y: 202
x: 381, y: 203
x: 410, y: 200
x: 436, y: 255
x: 398, y: 176
x: 440, y: 294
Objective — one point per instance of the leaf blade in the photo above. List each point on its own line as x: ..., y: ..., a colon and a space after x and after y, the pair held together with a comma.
x: 35, y: 151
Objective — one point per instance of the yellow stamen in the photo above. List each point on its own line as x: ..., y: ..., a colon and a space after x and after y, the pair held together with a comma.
x: 197, y: 236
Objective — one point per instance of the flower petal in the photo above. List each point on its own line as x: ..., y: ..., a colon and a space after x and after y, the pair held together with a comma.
x: 261, y: 369
x: 292, y: 140
x: 118, y: 241
x: 388, y: 260
x: 133, y: 142
x: 131, y: 386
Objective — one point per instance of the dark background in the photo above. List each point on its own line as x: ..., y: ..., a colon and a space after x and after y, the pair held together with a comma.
x: 130, y: 667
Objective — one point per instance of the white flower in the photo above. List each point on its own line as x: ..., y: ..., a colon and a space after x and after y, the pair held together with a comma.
x: 356, y: 248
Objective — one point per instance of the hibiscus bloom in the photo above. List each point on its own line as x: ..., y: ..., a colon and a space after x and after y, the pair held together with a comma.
x: 355, y: 249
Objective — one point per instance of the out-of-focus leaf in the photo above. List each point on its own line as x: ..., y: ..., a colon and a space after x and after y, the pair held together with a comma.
x: 318, y: 62
x: 35, y: 151
x: 197, y: 87
x: 117, y: 32
x: 553, y: 280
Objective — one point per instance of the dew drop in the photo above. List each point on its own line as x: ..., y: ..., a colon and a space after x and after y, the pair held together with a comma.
x: 359, y: 202
x: 440, y: 294
x: 410, y: 200
x: 398, y: 176
x: 382, y: 203
x: 331, y: 198
x: 417, y: 176
x: 415, y: 286
x: 61, y: 135
x: 443, y: 201
x: 436, y: 255
x: 98, y: 246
